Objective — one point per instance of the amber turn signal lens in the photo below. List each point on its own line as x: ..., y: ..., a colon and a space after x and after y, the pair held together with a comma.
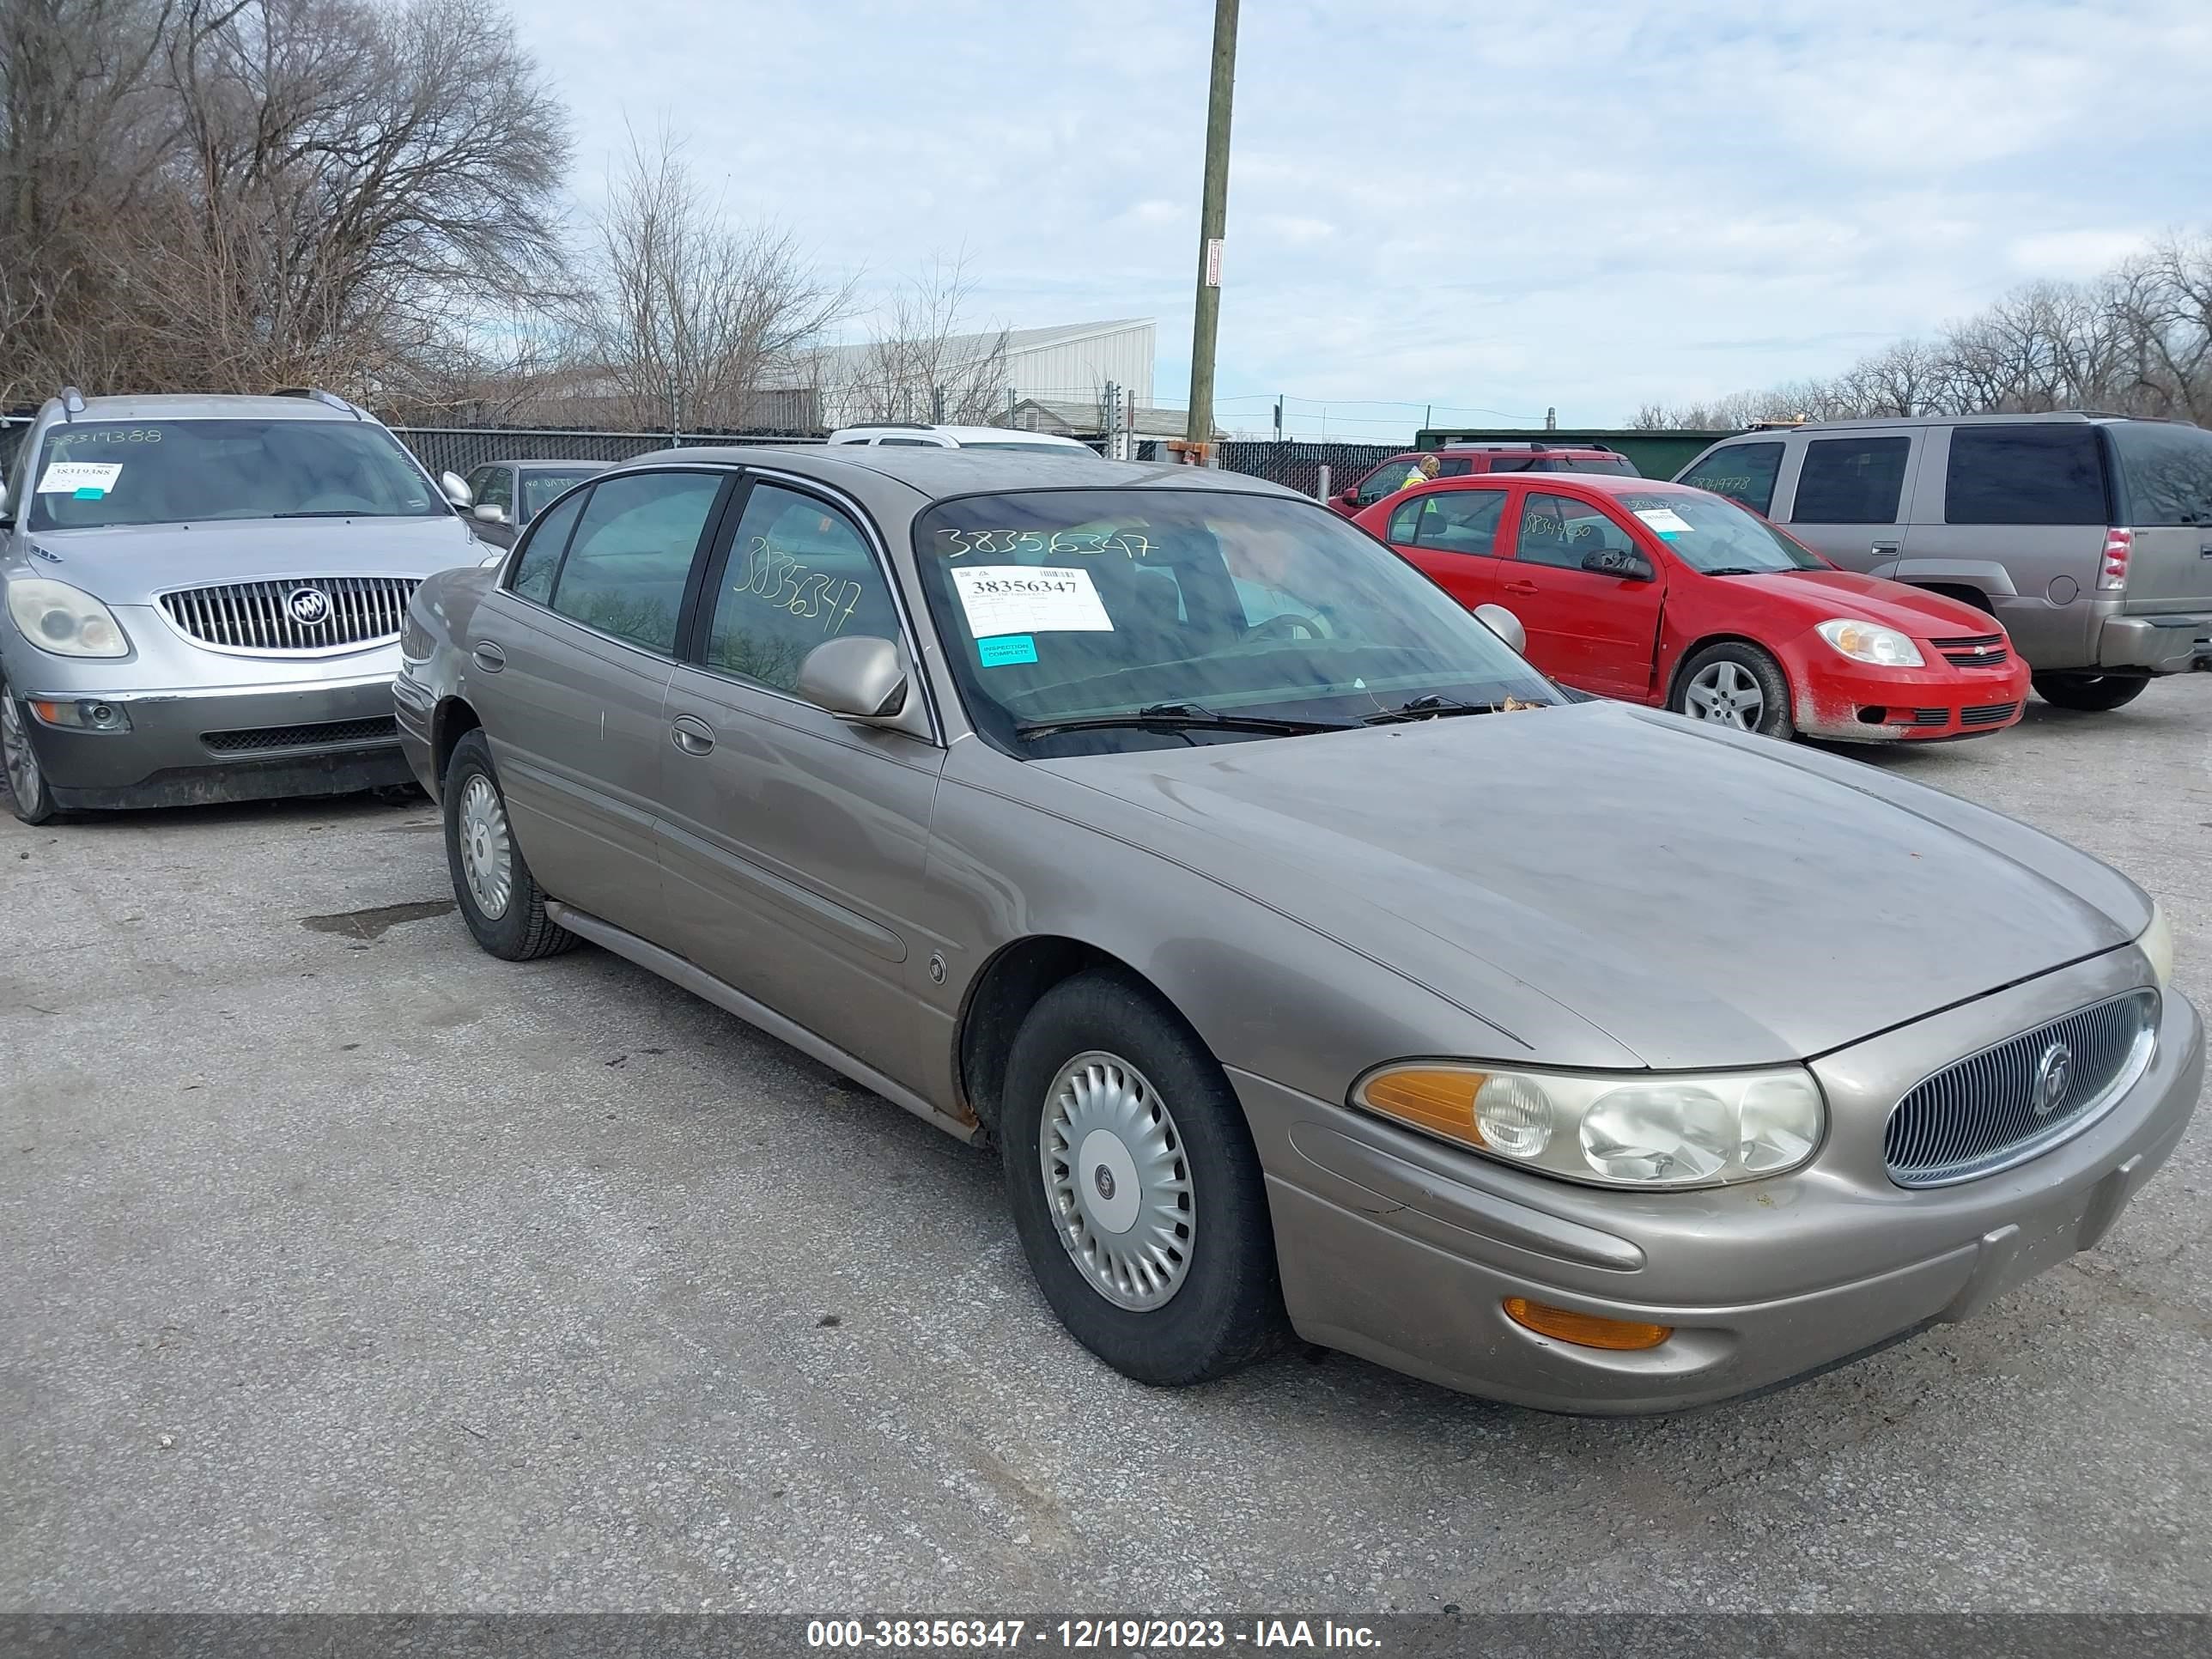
x: 1442, y: 1102
x: 1584, y: 1330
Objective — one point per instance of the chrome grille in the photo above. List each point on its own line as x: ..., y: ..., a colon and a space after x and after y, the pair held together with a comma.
x: 1994, y: 714
x: 1974, y: 650
x: 261, y: 617
x: 1982, y: 1114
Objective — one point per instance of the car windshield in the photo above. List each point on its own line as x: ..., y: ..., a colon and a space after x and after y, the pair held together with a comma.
x: 95, y: 473
x: 1183, y: 605
x: 1713, y: 535
x: 539, y: 488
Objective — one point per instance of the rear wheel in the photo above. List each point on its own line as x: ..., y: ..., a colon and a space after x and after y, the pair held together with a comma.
x: 2092, y: 693
x: 1734, y: 684
x: 501, y: 901
x: 27, y: 793
x: 1134, y: 1186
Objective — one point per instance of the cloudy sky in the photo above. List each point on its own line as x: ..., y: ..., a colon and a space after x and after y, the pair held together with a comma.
x: 1585, y: 206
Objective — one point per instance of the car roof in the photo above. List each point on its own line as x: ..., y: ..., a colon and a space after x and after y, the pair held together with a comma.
x: 207, y: 406
x: 2075, y: 417
x: 1603, y: 483
x: 934, y: 472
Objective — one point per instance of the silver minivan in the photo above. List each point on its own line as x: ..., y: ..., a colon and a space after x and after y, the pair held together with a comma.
x: 2089, y: 536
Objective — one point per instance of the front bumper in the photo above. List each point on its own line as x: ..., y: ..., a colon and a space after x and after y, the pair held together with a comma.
x: 1403, y: 1250
x: 1846, y: 701
x: 322, y: 737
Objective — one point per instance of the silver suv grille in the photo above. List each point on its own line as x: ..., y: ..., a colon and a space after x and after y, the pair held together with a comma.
x: 309, y: 616
x: 2004, y: 1105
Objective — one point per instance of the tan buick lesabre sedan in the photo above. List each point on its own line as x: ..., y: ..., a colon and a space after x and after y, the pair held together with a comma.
x: 1314, y: 963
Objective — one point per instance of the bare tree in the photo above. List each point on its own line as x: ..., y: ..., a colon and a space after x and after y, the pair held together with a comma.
x: 2138, y: 341
x: 280, y: 190
x: 692, y: 321
x: 927, y: 366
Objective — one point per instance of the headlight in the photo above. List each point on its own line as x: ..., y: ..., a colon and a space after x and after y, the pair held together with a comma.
x: 2157, y: 944
x: 1865, y: 641
x: 1617, y: 1130
x: 62, y: 619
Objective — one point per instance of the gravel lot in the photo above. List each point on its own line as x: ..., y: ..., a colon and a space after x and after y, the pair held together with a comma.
x: 346, y: 1268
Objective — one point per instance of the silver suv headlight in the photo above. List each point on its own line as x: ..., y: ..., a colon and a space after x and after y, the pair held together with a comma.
x: 1613, y: 1129
x: 2156, y: 942
x: 64, y: 620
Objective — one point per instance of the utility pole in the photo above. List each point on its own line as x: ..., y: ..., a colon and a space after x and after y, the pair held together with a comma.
x: 1212, y: 216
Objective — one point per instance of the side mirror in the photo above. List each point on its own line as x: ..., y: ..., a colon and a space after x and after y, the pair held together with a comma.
x: 490, y: 512
x: 1503, y: 624
x: 1349, y: 495
x: 1624, y: 562
x: 860, y: 678
x: 456, y: 488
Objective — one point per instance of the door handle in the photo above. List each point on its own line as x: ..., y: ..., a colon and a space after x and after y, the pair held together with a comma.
x: 691, y: 734
x: 489, y: 657
x: 1520, y: 587
x: 1880, y: 548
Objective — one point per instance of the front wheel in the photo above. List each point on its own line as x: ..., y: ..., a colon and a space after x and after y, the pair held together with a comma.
x: 501, y: 901
x: 1733, y: 683
x: 1135, y: 1190
x: 27, y: 793
x: 2091, y: 693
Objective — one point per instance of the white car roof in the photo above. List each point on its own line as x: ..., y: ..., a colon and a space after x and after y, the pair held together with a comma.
x: 952, y: 437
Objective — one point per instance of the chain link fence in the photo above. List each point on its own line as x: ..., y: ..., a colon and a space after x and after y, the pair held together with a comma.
x: 459, y: 449
x: 1297, y: 466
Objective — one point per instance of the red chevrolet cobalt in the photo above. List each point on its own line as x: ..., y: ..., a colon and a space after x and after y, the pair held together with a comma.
x: 1658, y: 593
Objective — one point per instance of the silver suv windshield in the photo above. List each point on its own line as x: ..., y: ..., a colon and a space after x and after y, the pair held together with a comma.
x: 90, y: 474
x: 1147, y: 615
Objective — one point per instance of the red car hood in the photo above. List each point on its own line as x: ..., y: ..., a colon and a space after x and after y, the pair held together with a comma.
x: 1817, y: 595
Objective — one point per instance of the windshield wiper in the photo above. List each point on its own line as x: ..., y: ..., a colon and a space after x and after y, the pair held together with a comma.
x: 1179, y: 717
x: 1429, y: 708
x: 1739, y: 570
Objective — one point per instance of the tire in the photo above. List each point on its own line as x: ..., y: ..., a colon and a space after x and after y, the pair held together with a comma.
x: 1723, y: 683
x: 2091, y: 693
x: 511, y: 925
x: 28, y: 795
x: 1094, y: 1041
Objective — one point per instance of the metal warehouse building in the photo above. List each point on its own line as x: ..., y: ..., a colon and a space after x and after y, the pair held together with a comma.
x: 1073, y: 363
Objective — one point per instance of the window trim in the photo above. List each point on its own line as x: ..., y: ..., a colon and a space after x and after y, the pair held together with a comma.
x: 730, y: 476
x: 698, y: 624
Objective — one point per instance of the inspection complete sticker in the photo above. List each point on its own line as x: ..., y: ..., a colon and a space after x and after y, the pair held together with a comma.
x: 1003, y: 648
x: 1021, y: 598
x: 90, y: 479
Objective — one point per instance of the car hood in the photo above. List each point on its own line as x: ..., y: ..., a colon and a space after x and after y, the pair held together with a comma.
x: 130, y: 563
x: 1702, y: 899
x: 1817, y: 595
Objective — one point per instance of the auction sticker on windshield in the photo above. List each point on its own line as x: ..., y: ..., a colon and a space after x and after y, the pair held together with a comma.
x: 79, y: 477
x: 1664, y: 519
x: 1021, y: 598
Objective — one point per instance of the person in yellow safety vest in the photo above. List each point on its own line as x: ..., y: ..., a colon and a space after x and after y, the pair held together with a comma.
x: 1420, y: 472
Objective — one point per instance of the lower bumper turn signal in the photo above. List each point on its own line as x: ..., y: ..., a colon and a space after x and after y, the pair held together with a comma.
x: 1584, y: 1330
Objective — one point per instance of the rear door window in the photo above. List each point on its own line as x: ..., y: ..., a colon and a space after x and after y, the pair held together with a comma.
x: 1745, y: 473
x: 1453, y: 521
x: 2039, y: 473
x: 2166, y: 469
x: 630, y: 558
x: 1850, y: 481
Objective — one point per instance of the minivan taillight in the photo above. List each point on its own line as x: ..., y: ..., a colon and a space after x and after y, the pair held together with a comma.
x: 2112, y: 574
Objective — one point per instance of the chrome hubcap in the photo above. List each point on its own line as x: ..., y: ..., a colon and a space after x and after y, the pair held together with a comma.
x: 15, y: 752
x: 1118, y: 1180
x: 1727, y: 692
x: 487, y: 850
